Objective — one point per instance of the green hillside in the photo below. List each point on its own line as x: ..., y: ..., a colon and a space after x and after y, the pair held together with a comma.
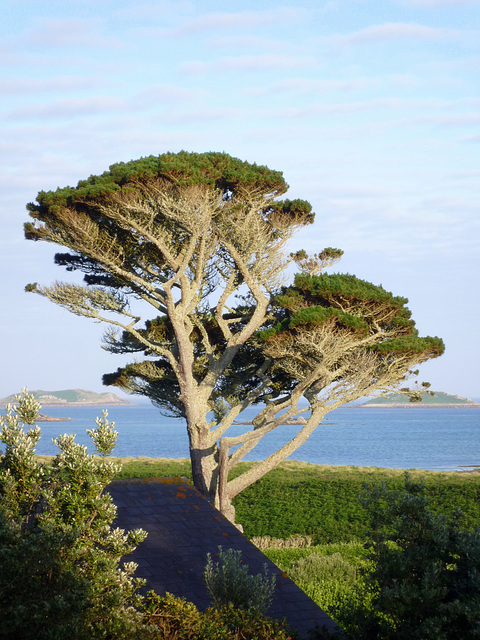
x: 440, y: 397
x: 71, y: 396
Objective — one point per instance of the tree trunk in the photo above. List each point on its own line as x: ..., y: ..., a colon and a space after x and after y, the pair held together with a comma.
x: 204, y: 460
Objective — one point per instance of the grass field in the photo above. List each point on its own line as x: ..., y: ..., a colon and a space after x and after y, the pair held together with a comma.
x: 321, y: 501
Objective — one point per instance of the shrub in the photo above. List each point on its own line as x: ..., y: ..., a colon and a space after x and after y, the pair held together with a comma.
x: 59, y: 555
x: 426, y: 580
x: 247, y: 625
x: 177, y: 619
x: 174, y: 618
x: 323, y: 568
x: 329, y: 580
x: 228, y: 581
x: 296, y: 541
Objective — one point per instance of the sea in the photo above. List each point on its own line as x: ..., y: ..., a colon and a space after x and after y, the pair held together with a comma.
x: 439, y: 439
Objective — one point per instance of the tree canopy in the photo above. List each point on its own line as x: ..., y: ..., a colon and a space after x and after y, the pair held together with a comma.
x: 201, y: 239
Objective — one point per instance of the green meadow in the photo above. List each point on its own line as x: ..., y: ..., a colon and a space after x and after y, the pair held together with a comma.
x: 320, y: 501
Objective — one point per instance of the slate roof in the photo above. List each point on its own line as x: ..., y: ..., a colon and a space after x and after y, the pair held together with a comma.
x: 182, y: 528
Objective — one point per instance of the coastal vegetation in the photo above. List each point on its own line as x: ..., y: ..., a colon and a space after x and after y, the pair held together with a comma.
x: 200, y: 239
x: 60, y: 572
x: 402, y: 567
x: 61, y: 575
x: 416, y: 574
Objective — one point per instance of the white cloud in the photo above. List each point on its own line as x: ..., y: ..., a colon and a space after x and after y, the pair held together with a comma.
x: 473, y: 175
x: 352, y: 191
x: 165, y: 93
x: 475, y: 138
x: 380, y: 223
x: 393, y: 31
x: 306, y: 85
x: 35, y: 86
x: 434, y: 4
x: 249, y: 42
x: 73, y: 108
x: 299, y: 114
x: 241, y: 20
x: 450, y: 120
x: 69, y: 33
x: 248, y: 64
x: 149, y: 10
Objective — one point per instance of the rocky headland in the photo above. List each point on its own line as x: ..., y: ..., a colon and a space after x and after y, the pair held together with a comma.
x: 72, y: 398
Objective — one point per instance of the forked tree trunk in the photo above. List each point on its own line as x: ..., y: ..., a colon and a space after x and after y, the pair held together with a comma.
x: 204, y: 461
x: 229, y: 489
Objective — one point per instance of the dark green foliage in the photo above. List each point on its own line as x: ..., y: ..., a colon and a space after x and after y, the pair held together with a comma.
x: 246, y: 625
x: 284, y: 504
x: 341, y: 294
x: 325, y: 289
x: 325, y: 503
x: 316, y: 316
x: 177, y: 619
x: 410, y: 344
x: 37, y: 590
x: 426, y: 580
x: 215, y: 170
x: 363, y: 317
x: 290, y: 210
x: 421, y: 577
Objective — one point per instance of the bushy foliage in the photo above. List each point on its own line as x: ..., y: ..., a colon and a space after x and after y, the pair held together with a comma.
x: 330, y: 574
x: 328, y: 579
x: 323, y: 502
x: 59, y: 555
x: 177, y: 619
x: 426, y: 580
x: 229, y: 582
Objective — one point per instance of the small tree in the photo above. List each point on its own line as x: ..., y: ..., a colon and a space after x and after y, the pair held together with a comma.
x: 426, y: 581
x: 59, y: 555
x: 229, y: 582
x: 201, y: 239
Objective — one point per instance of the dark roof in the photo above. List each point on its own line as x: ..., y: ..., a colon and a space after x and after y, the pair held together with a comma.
x: 182, y: 528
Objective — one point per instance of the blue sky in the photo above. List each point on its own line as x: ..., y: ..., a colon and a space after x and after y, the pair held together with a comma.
x: 371, y: 109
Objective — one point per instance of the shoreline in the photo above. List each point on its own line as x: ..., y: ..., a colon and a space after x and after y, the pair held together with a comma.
x: 414, y: 405
x: 66, y: 405
x: 297, y: 465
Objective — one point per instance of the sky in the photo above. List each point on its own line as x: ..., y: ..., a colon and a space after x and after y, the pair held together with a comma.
x: 371, y: 110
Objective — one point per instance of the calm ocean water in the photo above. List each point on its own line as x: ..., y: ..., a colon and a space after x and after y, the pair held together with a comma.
x: 437, y: 439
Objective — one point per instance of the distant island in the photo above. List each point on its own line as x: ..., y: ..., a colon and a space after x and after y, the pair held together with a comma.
x: 440, y: 400
x: 72, y: 398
